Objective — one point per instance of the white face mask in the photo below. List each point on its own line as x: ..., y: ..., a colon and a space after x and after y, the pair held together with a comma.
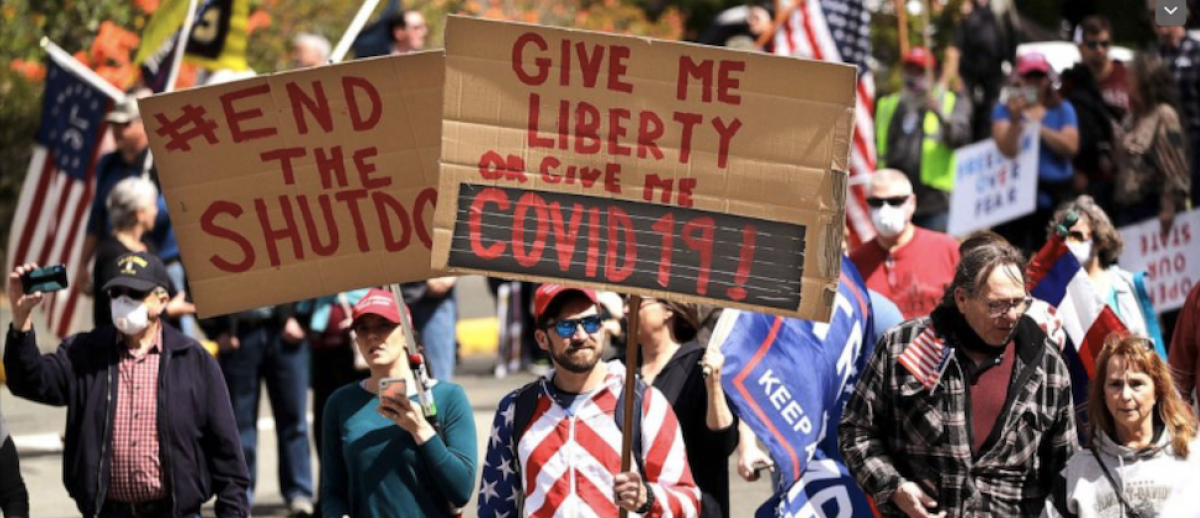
x: 889, y: 221
x: 130, y: 316
x: 1081, y: 251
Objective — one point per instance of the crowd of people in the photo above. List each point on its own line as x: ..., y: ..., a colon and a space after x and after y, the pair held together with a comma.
x: 967, y: 407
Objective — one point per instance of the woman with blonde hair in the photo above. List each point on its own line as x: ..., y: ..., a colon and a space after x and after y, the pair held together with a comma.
x: 1140, y: 438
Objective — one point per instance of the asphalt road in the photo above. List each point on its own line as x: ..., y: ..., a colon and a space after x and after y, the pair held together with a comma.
x: 37, y: 429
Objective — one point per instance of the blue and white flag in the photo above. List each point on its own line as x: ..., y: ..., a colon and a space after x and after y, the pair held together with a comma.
x: 789, y: 380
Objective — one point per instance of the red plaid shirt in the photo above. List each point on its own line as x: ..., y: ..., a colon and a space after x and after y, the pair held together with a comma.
x: 136, y: 468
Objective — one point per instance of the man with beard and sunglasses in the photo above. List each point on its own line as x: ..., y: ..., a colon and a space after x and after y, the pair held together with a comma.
x: 562, y: 433
x: 150, y: 431
x: 967, y: 412
x: 907, y: 264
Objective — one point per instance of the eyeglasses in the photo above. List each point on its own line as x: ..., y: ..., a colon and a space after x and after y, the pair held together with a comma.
x: 999, y: 308
x: 894, y: 201
x: 1095, y: 44
x: 566, y: 328
x: 116, y: 293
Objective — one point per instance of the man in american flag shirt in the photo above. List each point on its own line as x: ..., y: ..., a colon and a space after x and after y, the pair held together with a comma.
x: 567, y: 460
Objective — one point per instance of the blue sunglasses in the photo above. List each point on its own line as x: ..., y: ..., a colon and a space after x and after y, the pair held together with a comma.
x: 566, y: 328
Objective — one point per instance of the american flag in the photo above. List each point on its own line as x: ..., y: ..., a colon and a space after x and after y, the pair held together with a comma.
x: 839, y: 30
x: 49, y: 225
x: 926, y: 358
x: 567, y: 458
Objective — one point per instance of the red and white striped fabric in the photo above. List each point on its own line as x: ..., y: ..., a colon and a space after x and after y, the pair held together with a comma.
x: 51, y: 218
x: 926, y: 358
x: 839, y: 31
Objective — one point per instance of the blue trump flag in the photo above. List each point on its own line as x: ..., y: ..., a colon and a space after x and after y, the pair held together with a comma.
x: 789, y: 380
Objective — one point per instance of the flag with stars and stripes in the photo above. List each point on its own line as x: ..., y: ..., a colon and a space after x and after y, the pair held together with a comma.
x: 839, y: 30
x: 567, y: 457
x: 49, y: 224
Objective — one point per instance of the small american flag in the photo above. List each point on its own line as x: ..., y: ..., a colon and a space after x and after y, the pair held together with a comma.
x: 839, y: 30
x: 51, y: 217
x: 926, y: 358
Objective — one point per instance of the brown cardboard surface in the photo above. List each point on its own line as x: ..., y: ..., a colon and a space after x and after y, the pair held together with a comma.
x: 785, y: 163
x: 215, y: 186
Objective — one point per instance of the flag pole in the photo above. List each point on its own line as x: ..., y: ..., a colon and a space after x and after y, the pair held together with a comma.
x: 631, y: 360
x: 356, y: 26
x: 902, y: 26
x: 73, y: 65
x: 181, y: 44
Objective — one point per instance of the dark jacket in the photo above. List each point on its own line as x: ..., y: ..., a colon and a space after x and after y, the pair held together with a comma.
x: 894, y: 430
x: 201, y: 450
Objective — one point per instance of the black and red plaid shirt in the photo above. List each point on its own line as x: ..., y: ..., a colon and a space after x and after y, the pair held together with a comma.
x: 136, y: 467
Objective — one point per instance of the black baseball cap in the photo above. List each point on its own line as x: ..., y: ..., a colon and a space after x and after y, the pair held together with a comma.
x: 139, y: 271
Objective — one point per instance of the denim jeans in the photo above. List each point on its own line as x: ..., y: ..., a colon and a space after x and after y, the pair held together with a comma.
x: 264, y: 356
x: 437, y: 324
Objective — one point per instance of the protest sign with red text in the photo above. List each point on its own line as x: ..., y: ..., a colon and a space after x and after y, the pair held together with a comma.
x: 301, y: 184
x: 1171, y: 260
x: 644, y: 166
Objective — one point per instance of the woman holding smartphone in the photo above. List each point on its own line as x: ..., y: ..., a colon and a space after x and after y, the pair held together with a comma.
x: 380, y: 456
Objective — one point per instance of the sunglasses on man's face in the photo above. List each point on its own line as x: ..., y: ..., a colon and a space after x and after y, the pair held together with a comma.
x: 1095, y: 44
x: 894, y: 201
x: 566, y: 328
x: 116, y: 293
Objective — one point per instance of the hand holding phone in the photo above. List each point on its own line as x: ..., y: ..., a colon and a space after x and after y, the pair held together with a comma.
x: 44, y: 280
x: 21, y: 300
x: 393, y: 390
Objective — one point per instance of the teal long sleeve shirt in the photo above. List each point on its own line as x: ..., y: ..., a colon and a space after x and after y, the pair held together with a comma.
x: 370, y: 467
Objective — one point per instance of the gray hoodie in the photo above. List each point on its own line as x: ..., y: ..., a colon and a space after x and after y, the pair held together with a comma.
x: 1146, y: 477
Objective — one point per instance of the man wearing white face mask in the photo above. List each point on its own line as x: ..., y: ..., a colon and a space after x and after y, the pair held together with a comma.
x: 909, y: 265
x: 150, y: 430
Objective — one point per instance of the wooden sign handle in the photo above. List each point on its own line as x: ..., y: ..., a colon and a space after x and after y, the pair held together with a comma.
x: 631, y: 361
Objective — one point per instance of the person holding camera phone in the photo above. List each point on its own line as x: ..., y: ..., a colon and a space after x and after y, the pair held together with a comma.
x: 381, y: 457
x: 150, y: 430
x: 1032, y: 99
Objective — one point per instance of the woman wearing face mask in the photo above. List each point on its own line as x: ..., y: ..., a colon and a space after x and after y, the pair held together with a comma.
x: 1153, y: 178
x: 1059, y: 142
x: 381, y: 456
x: 132, y: 208
x: 1097, y: 245
x: 1140, y: 434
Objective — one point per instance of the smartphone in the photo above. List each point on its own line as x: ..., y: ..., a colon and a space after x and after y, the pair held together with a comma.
x: 45, y: 280
x: 1028, y: 92
x: 394, y: 388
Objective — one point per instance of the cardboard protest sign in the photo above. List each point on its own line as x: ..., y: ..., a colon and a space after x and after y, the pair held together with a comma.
x: 643, y: 166
x: 990, y: 188
x: 304, y: 183
x: 1171, y: 261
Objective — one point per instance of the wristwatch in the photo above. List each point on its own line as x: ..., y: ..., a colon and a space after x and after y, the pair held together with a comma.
x: 645, y: 508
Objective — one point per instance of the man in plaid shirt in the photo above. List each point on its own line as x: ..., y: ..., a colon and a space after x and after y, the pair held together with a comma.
x: 150, y: 430
x: 966, y: 412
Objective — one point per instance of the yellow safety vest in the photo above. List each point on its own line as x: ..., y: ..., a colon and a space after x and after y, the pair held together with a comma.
x: 937, y: 159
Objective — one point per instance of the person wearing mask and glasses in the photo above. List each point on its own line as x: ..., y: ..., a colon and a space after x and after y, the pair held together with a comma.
x: 967, y: 412
x: 909, y: 265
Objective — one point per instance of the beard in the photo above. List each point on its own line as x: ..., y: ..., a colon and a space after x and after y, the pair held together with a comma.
x: 577, y: 364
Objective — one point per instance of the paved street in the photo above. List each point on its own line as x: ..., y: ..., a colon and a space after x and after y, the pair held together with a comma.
x: 37, y: 428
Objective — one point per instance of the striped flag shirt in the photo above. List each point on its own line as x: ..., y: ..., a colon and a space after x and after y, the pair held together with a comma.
x: 839, y: 31
x: 49, y: 225
x: 568, y: 457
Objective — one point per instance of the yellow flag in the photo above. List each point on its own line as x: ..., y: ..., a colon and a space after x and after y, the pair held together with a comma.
x: 218, y: 39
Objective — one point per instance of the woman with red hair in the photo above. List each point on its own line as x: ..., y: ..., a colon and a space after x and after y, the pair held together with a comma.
x: 1140, y: 435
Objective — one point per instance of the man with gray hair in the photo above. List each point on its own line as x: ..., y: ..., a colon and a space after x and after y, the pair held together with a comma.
x: 905, y: 263
x: 966, y: 412
x: 309, y: 50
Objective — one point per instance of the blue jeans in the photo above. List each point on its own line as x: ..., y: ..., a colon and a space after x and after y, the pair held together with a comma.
x: 264, y: 356
x: 437, y: 324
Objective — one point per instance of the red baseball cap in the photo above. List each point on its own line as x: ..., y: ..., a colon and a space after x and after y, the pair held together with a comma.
x: 546, y: 294
x: 920, y: 57
x: 381, y: 303
x: 1032, y: 62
